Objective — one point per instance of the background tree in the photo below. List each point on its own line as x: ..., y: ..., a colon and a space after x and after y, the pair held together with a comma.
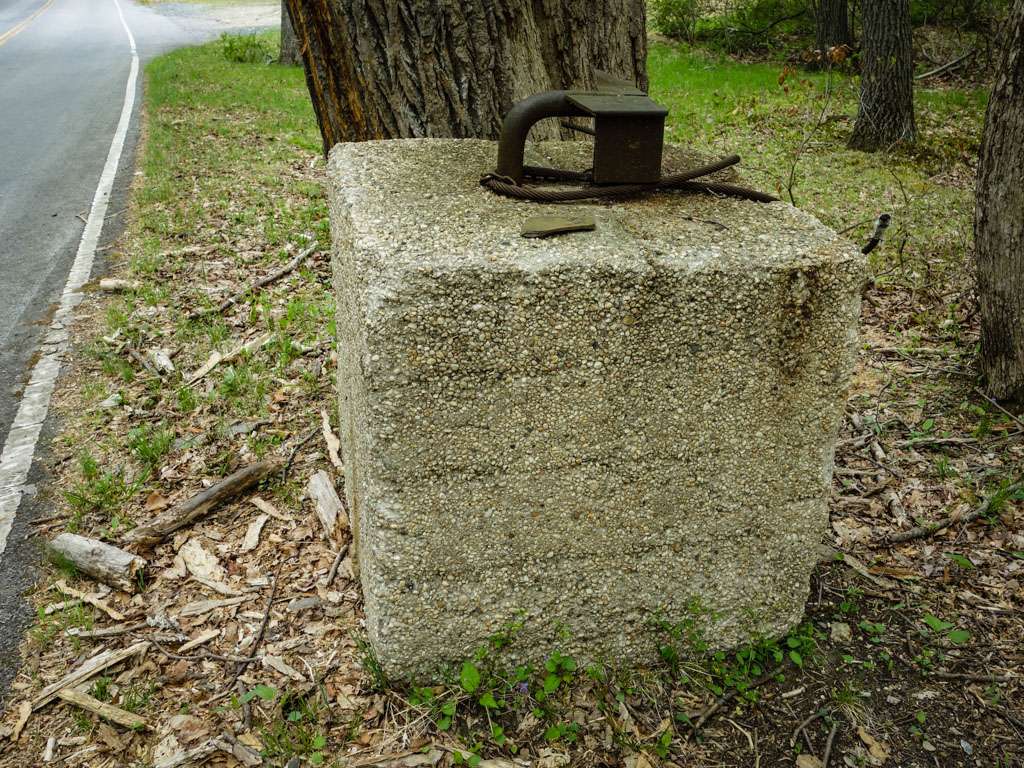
x: 886, y: 113
x: 831, y: 24
x: 999, y: 220
x: 381, y: 69
x: 289, y: 55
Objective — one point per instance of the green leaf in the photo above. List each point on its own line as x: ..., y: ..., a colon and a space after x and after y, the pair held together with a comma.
x: 319, y: 741
x: 553, y: 733
x: 264, y: 692
x: 487, y: 701
x: 316, y: 759
x: 448, y: 708
x: 470, y: 677
x: 960, y: 560
x: 474, y: 760
x: 959, y: 636
x: 551, y: 683
x: 796, y: 658
x: 793, y: 642
x: 444, y: 724
x: 569, y: 665
x: 1018, y: 555
x: 936, y: 624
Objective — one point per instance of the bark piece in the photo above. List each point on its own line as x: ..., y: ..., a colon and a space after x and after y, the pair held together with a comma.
x: 202, y: 503
x: 200, y: 607
x: 103, y: 562
x: 252, y: 533
x: 388, y: 69
x: 101, y: 708
x: 93, y: 666
x: 92, y: 599
x: 329, y: 508
x: 999, y: 221
x: 886, y: 113
x: 116, y: 285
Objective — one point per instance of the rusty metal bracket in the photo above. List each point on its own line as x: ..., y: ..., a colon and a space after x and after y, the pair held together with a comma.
x: 629, y: 131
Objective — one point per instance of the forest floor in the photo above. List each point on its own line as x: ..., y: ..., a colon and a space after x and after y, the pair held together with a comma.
x: 245, y: 645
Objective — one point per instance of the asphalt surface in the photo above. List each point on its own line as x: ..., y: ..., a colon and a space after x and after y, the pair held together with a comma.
x: 62, y: 88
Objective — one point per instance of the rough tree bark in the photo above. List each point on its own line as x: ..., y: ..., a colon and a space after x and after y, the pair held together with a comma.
x: 999, y: 221
x: 380, y: 69
x: 831, y: 24
x: 886, y: 114
x: 290, y: 55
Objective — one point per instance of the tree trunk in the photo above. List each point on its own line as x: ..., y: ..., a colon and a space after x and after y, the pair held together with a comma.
x: 290, y: 55
x: 380, y: 69
x: 886, y: 114
x: 999, y: 221
x: 832, y: 26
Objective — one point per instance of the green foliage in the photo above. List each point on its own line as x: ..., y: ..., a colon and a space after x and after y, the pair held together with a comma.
x: 674, y: 18
x: 150, y: 444
x: 101, y: 491
x: 246, y: 49
x: 298, y: 726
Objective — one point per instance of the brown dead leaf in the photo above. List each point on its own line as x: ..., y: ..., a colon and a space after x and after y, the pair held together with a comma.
x: 156, y: 501
x: 879, y: 749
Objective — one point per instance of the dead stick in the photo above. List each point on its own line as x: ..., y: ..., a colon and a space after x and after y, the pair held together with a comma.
x: 974, y: 678
x: 726, y: 698
x: 804, y: 724
x: 336, y: 564
x: 199, y: 505
x: 273, y: 277
x: 828, y: 744
x: 924, y: 531
x: 259, y: 635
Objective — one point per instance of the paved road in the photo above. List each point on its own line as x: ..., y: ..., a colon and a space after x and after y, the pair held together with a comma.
x: 64, y: 66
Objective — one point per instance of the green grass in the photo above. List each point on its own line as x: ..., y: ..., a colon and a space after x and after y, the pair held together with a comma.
x: 800, y: 126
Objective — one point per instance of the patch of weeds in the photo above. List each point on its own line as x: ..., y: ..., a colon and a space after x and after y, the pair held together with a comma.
x: 188, y: 401
x: 297, y: 727
x: 100, y: 491
x: 47, y: 627
x: 137, y: 696
x: 246, y: 49
x: 100, y: 689
x: 371, y: 664
x: 150, y: 444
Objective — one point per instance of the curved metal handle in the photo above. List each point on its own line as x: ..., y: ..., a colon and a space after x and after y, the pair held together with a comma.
x: 517, y: 124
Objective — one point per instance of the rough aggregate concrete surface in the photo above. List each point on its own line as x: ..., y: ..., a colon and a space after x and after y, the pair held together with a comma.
x: 581, y: 434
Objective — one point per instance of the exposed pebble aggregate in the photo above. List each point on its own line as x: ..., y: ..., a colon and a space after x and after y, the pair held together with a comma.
x: 587, y: 430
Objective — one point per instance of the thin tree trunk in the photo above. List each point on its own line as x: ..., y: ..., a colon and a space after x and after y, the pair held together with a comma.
x: 886, y: 114
x: 414, y: 68
x: 832, y: 26
x: 999, y: 221
x: 290, y: 55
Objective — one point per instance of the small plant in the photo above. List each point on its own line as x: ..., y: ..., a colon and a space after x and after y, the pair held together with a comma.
x: 246, y: 49
x: 150, y: 444
x: 946, y: 629
x: 98, y: 491
x: 100, y: 689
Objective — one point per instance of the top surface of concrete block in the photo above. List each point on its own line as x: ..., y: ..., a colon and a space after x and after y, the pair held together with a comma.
x: 419, y: 202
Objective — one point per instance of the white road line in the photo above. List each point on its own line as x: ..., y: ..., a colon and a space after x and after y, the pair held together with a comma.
x: 16, y: 459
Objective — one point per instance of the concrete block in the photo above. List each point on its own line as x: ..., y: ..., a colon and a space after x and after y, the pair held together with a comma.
x: 585, y: 432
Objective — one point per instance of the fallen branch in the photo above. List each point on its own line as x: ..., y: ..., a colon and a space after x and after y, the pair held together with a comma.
x: 101, y: 561
x: 950, y: 65
x: 273, y: 277
x: 101, y: 708
x: 200, y: 505
x: 91, y: 667
x: 829, y: 743
x: 924, y: 531
x: 217, y: 358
